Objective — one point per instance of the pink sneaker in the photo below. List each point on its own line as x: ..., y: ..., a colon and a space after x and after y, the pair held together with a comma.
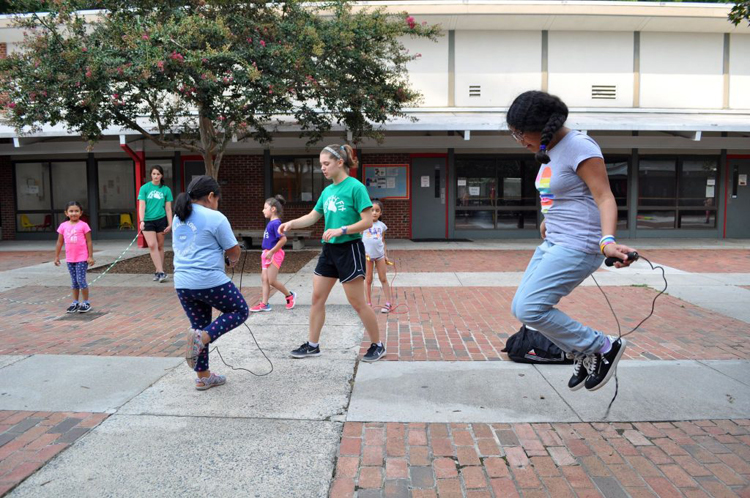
x: 291, y: 300
x: 387, y: 308
x: 260, y: 307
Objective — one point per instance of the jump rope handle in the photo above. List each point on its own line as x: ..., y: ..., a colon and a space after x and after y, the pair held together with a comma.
x: 632, y: 256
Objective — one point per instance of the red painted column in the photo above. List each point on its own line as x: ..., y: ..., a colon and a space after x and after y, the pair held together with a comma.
x: 139, y: 160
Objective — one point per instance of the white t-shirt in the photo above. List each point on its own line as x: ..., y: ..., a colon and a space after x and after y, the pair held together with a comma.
x: 374, y: 240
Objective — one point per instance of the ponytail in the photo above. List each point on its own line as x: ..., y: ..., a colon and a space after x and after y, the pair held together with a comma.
x: 277, y: 202
x: 344, y: 153
x: 200, y: 187
x: 538, y: 112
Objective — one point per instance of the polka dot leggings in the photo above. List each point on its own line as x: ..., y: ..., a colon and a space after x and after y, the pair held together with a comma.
x: 198, y: 305
x: 78, y: 275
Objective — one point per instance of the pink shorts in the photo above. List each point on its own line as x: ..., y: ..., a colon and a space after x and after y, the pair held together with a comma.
x: 276, y: 260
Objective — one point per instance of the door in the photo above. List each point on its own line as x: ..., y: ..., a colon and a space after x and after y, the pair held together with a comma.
x: 738, y: 200
x: 191, y: 168
x: 428, y: 184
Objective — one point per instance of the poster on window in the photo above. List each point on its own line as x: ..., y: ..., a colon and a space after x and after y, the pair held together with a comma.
x: 386, y: 181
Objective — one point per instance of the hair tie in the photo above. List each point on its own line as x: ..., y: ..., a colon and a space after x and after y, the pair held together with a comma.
x: 542, y: 147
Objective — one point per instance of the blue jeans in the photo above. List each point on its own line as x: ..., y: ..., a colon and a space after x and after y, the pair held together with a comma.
x: 554, y: 272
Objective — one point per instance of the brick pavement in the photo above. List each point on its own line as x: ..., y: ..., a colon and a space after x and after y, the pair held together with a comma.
x: 704, y: 260
x: 460, y: 260
x: 137, y: 321
x: 28, y: 440
x: 693, y: 459
x: 472, y: 323
x: 10, y: 260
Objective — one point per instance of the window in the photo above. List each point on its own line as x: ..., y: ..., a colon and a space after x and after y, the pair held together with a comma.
x: 494, y: 193
x: 117, y: 195
x: 298, y: 179
x: 618, y: 183
x: 677, y: 193
x: 42, y: 191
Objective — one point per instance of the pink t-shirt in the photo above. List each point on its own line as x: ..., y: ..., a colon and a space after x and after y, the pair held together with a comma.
x: 74, y: 236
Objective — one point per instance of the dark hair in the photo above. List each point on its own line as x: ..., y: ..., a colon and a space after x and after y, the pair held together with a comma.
x: 539, y: 112
x: 199, y: 188
x: 379, y: 203
x: 160, y: 170
x: 73, y: 203
x: 342, y: 152
x: 277, y: 202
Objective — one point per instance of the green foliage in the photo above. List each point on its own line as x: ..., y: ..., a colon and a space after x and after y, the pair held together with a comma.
x: 740, y: 12
x: 196, y: 74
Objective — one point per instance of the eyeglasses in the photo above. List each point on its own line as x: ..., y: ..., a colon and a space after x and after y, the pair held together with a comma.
x: 518, y: 136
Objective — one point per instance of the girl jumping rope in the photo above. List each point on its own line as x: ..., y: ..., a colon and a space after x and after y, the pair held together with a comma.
x: 155, y: 213
x: 273, y: 255
x: 578, y: 208
x: 374, y: 240
x: 202, y: 239
x: 347, y: 209
x: 79, y: 254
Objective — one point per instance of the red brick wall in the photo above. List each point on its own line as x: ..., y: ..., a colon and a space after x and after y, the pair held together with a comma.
x: 7, y: 199
x: 396, y: 214
x: 242, y: 191
x: 3, y: 50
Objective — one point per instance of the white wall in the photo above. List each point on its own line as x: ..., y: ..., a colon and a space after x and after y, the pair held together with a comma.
x: 504, y: 63
x: 739, y: 72
x: 682, y: 70
x: 579, y: 60
x: 429, y: 73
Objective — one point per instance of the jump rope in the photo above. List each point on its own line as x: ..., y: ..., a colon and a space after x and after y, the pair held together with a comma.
x: 632, y: 256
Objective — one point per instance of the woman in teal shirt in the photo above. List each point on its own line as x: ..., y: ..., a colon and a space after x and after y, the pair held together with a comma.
x: 155, y: 213
x: 347, y: 209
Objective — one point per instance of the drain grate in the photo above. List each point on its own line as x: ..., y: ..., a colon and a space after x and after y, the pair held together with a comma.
x: 82, y: 317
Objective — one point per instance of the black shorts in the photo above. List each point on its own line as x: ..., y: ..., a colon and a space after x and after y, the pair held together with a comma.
x: 345, y: 261
x: 157, y: 226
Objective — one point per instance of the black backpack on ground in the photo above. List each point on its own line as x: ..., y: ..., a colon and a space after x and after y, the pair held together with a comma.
x: 530, y: 346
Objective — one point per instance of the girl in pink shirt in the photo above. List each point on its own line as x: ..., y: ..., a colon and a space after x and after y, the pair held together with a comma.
x: 76, y: 235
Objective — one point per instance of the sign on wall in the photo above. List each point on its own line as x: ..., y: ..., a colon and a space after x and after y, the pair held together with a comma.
x: 386, y: 181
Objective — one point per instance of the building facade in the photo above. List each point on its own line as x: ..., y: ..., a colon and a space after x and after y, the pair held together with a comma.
x: 664, y: 88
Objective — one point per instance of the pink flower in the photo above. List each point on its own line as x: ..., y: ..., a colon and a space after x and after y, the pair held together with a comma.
x: 263, y: 44
x: 145, y: 36
x: 116, y: 96
x: 222, y: 118
x: 88, y: 73
x: 418, y: 55
x: 204, y: 60
x: 84, y: 49
x: 160, y: 65
x: 12, y: 105
x: 249, y: 40
x: 411, y: 22
x: 176, y: 56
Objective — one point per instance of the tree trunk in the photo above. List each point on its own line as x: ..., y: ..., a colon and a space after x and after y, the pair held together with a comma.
x: 208, y: 143
x: 212, y: 169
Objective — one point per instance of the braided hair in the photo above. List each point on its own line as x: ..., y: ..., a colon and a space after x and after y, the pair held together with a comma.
x: 538, y: 112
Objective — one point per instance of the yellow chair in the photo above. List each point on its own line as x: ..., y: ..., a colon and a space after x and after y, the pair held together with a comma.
x: 126, y: 222
x: 26, y: 223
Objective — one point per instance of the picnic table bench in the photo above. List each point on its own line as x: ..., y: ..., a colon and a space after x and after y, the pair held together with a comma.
x: 296, y: 236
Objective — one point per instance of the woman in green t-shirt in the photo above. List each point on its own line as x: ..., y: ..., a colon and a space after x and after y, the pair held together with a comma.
x: 155, y: 213
x: 347, y: 209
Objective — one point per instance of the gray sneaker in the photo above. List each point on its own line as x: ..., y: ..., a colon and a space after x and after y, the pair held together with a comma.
x: 212, y: 380
x: 156, y: 277
x: 162, y: 277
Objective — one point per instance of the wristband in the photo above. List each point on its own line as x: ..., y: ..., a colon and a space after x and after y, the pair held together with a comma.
x: 343, y: 230
x: 605, y: 241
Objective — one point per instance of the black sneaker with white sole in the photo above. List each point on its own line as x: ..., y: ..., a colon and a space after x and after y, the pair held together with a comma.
x: 84, y: 308
x: 374, y: 353
x: 306, y: 351
x: 603, y: 366
x: 73, y: 308
x: 156, y: 276
x: 581, y: 365
x: 162, y: 277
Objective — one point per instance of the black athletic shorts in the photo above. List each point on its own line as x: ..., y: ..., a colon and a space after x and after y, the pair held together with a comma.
x: 157, y: 226
x: 345, y: 261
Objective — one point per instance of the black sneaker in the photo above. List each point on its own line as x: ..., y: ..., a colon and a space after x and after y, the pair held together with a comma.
x: 306, y: 351
x: 162, y: 277
x: 84, y: 308
x: 581, y: 365
x: 374, y: 353
x: 603, y: 366
x: 156, y: 277
x: 73, y: 308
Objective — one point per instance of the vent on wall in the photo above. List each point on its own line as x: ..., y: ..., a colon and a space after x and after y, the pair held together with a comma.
x: 603, y: 92
x: 475, y: 90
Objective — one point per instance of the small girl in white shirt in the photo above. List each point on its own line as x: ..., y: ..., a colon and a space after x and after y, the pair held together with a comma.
x: 374, y: 240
